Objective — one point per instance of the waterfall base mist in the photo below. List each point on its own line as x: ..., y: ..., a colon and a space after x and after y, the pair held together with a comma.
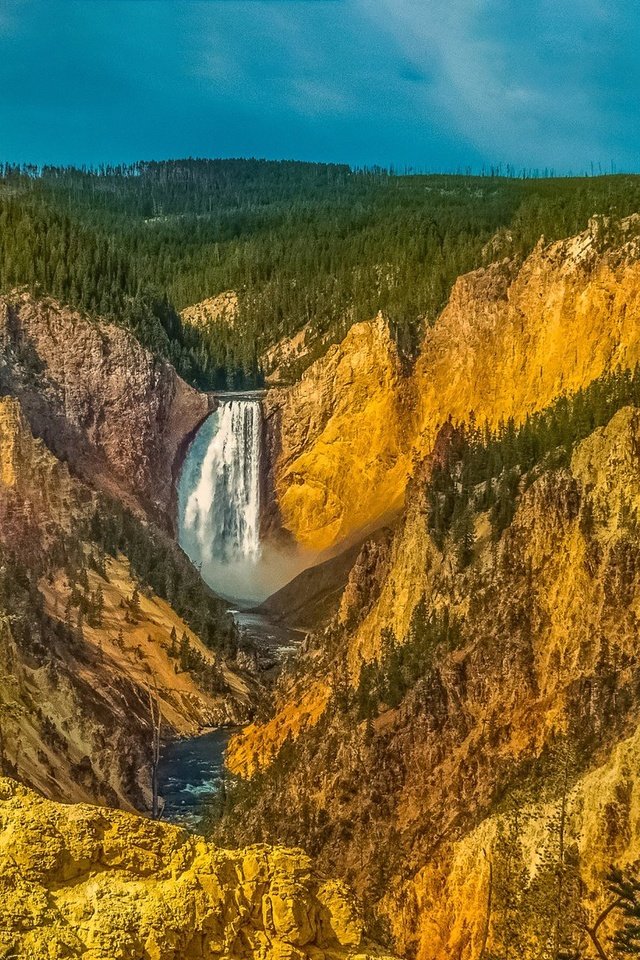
x: 219, y: 502
x: 251, y: 581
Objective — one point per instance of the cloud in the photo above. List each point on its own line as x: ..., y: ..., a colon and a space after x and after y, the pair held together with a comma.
x: 431, y: 83
x: 516, y: 81
x: 323, y: 75
x: 303, y: 55
x: 9, y: 13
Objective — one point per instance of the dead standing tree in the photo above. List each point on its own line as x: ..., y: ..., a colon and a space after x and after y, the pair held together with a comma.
x: 156, y: 728
x: 2, y: 755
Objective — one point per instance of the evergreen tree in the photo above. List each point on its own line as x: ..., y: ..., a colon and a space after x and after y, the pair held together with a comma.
x: 625, y: 889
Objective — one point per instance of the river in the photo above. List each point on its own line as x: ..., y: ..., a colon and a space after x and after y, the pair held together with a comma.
x: 190, y: 776
x: 191, y: 771
x: 219, y: 514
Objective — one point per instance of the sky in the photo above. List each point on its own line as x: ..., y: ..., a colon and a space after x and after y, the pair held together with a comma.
x: 427, y: 84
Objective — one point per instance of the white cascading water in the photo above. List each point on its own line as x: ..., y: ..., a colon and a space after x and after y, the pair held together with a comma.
x: 219, y: 508
x: 219, y: 494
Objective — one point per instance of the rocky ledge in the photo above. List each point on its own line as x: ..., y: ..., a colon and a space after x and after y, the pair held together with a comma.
x: 78, y: 881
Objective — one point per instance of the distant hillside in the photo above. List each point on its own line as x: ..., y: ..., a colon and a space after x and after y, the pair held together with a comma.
x: 303, y: 246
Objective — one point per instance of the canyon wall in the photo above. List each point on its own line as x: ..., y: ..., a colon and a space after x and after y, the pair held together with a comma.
x: 339, y: 440
x: 86, y: 644
x: 444, y: 807
x: 118, y: 415
x: 509, y: 341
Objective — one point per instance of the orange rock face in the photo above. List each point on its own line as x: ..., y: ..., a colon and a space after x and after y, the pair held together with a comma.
x: 340, y: 439
x: 508, y: 343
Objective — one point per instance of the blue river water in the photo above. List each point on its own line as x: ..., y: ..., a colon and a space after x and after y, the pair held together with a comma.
x: 190, y: 776
x: 191, y: 771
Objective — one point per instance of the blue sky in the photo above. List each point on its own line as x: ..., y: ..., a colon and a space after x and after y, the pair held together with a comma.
x: 436, y: 84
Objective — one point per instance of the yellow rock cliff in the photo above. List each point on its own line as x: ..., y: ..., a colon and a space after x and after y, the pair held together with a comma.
x: 340, y: 438
x: 96, y: 884
x: 508, y: 342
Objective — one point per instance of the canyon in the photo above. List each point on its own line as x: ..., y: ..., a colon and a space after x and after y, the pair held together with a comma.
x: 464, y: 684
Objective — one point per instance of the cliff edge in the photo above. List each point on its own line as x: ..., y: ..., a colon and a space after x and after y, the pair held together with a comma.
x: 119, y: 416
x: 92, y: 883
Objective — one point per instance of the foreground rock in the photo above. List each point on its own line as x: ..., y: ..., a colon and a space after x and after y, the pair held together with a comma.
x: 82, y: 881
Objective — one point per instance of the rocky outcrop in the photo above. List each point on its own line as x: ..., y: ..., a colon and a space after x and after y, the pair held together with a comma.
x: 222, y: 309
x: 119, y: 416
x: 39, y: 500
x: 91, y: 883
x: 339, y: 440
x: 283, y: 362
x: 509, y: 341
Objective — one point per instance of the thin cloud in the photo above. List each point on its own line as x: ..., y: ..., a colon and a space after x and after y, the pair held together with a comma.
x: 9, y: 14
x: 512, y: 80
x: 436, y: 84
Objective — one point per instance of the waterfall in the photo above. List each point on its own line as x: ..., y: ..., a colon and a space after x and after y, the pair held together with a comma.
x: 219, y: 508
x: 219, y: 496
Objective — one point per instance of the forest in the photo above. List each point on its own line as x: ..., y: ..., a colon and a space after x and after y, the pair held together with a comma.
x: 304, y: 246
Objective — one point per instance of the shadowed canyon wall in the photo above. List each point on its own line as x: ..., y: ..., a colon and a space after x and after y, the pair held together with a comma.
x: 119, y: 416
x: 81, y: 660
